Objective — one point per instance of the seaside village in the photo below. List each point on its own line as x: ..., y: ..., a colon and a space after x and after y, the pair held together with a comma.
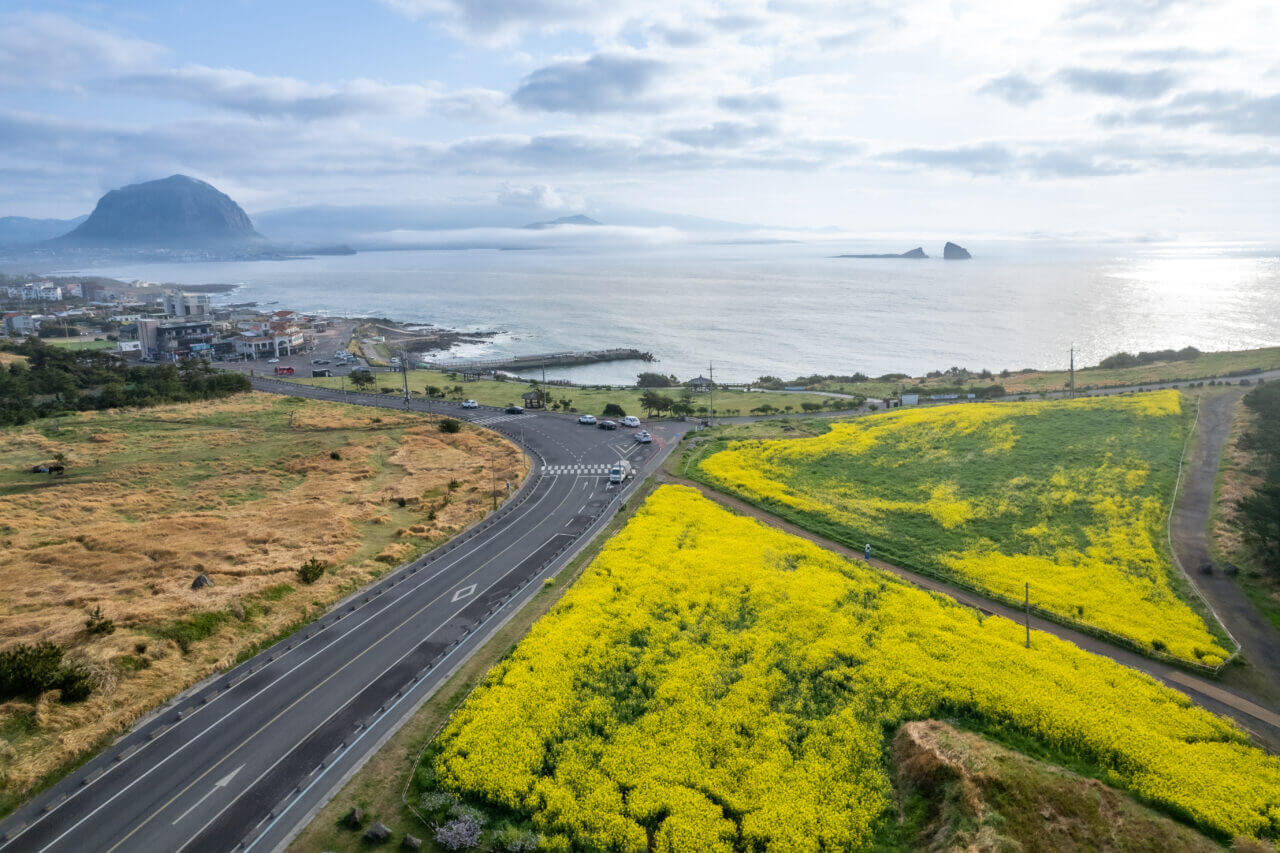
x: 152, y: 322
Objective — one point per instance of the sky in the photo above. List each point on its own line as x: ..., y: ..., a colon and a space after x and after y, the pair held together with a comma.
x: 1089, y: 118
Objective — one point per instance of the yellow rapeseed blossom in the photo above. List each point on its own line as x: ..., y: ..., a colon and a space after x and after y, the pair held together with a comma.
x: 711, y: 683
x: 1070, y: 496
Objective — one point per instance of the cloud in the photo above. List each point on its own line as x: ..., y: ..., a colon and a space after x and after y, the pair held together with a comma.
x: 603, y: 83
x: 987, y: 159
x: 245, y: 92
x: 1177, y: 54
x: 1085, y: 160
x: 722, y: 134
x: 750, y: 102
x: 40, y: 49
x: 498, y: 21
x: 541, y: 196
x: 1014, y: 88
x: 1227, y: 112
x: 1133, y: 85
x: 1121, y: 17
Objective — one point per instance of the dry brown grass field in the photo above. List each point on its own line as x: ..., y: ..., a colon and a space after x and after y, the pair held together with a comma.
x: 244, y: 490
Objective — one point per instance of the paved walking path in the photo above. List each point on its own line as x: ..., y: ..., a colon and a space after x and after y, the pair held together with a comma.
x: 1263, y: 723
x: 1188, y: 529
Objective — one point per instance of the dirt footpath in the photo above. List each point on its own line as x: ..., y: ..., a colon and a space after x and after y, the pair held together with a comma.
x: 1259, y: 641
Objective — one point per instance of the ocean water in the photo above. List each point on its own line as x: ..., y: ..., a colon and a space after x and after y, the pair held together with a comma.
x: 789, y: 309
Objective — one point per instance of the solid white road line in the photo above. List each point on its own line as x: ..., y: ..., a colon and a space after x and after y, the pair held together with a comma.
x: 450, y: 564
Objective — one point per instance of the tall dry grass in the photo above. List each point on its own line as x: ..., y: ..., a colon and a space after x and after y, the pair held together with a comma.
x: 244, y: 490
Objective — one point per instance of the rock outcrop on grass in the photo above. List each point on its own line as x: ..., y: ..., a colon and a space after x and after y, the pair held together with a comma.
x: 960, y: 791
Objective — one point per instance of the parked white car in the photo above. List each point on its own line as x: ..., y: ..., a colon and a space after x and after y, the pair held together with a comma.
x: 273, y: 361
x: 470, y: 404
x: 631, y: 421
x: 644, y: 437
x: 587, y: 419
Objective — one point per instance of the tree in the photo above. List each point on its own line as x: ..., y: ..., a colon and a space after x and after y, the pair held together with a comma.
x: 763, y: 409
x: 311, y: 571
x: 811, y: 407
x: 1257, y: 515
x: 451, y: 425
x: 653, y: 402
x: 362, y: 378
x: 682, y: 408
x: 613, y: 410
x: 654, y: 380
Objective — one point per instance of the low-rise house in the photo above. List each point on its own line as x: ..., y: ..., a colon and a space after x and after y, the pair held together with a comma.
x: 16, y: 323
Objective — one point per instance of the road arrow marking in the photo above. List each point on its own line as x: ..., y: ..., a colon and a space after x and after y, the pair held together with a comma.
x: 221, y: 783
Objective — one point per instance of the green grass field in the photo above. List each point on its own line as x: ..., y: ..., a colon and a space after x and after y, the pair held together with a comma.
x: 1071, y: 497
x: 80, y: 343
x: 1205, y: 366
x: 491, y: 392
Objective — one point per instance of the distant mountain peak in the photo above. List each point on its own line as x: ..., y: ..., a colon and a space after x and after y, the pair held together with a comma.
x: 952, y: 252
x: 177, y: 211
x: 576, y: 219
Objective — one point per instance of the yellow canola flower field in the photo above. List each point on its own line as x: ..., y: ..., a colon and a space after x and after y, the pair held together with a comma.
x: 711, y: 683
x: 1070, y: 496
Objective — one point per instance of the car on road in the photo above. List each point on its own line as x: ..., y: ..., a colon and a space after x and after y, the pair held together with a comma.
x: 607, y: 425
x: 643, y: 437
x: 620, y: 471
x: 587, y: 419
x: 631, y: 421
x: 470, y: 404
x: 273, y: 361
x: 515, y: 410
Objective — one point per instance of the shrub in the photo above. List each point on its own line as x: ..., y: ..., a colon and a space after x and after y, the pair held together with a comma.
x: 333, y: 454
x: 197, y: 627
x: 436, y: 804
x: 613, y: 410
x: 311, y: 571
x: 99, y: 624
x: 451, y: 425
x: 26, y: 671
x: 458, y: 834
x: 454, y: 485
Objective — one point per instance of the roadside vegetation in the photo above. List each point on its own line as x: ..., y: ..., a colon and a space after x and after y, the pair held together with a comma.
x: 1069, y: 496
x: 711, y: 683
x: 1246, y: 524
x: 1120, y: 369
x: 284, y: 504
x: 591, y: 400
x: 389, y: 787
x: 42, y: 380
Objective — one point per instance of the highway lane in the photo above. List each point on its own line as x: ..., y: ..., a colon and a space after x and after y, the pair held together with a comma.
x: 243, y: 759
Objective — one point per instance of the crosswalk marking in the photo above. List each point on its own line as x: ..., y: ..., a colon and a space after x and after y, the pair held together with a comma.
x: 582, y: 470
x: 497, y: 419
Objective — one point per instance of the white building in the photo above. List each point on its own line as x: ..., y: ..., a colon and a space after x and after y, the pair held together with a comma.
x: 38, y: 291
x: 180, y: 303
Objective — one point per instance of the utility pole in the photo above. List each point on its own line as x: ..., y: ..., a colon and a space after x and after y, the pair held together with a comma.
x: 404, y: 372
x: 1026, y: 612
x: 711, y: 378
x: 1073, y: 370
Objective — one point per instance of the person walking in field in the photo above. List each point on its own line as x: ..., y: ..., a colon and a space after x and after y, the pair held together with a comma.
x: 866, y: 553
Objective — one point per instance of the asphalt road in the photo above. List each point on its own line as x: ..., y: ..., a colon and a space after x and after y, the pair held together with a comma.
x: 240, y: 761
